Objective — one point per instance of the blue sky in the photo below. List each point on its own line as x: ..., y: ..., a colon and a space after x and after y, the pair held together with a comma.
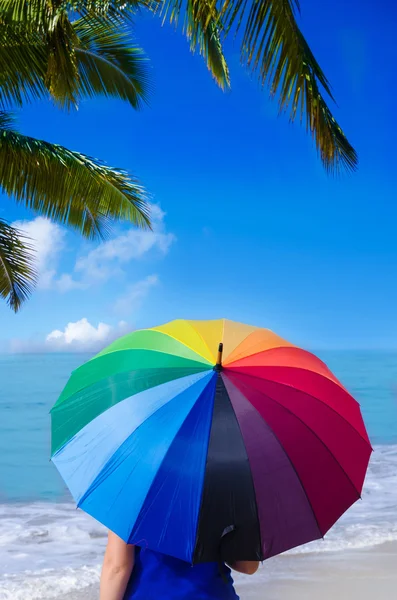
x: 250, y: 226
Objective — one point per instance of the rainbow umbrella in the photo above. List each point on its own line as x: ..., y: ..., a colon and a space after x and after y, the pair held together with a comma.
x: 209, y: 440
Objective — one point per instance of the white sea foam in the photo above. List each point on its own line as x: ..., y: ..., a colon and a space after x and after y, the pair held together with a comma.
x: 48, y: 535
x: 47, y: 583
x: 49, y: 549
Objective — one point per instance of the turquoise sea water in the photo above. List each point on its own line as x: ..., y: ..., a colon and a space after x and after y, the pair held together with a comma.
x: 48, y: 548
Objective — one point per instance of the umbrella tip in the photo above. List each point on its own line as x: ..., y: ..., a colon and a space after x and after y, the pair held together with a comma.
x: 218, y: 366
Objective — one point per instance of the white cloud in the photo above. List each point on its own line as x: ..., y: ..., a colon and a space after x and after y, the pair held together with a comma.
x: 132, y: 299
x: 78, y: 336
x: 108, y: 259
x: 81, y: 332
x: 47, y: 238
x: 104, y: 262
x: 83, y: 336
x: 65, y: 283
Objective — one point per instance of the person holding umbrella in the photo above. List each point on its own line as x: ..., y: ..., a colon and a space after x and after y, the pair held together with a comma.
x: 129, y: 572
x: 202, y: 444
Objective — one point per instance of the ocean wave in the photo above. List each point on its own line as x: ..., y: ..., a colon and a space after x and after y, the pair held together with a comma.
x: 48, y: 535
x: 47, y: 583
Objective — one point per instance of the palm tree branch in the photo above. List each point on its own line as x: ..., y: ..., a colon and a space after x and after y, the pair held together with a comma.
x: 43, y: 12
x: 201, y: 27
x: 44, y: 25
x: 17, y: 272
x: 69, y: 187
x: 109, y: 62
x: 202, y: 30
x: 23, y: 65
x: 106, y: 59
x: 273, y: 46
x: 62, y: 77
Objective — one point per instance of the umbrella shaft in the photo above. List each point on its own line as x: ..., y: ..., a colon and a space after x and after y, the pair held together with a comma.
x: 219, y: 359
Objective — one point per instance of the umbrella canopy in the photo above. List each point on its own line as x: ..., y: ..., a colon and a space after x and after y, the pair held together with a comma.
x: 210, y: 440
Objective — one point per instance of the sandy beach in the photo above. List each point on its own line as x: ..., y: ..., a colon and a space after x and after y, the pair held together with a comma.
x: 347, y: 575
x: 362, y: 574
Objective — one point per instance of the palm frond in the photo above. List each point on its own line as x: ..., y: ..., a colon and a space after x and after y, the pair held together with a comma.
x: 200, y: 24
x: 334, y: 148
x: 69, y: 187
x: 32, y: 11
x: 121, y: 9
x: 44, y: 11
x: 62, y: 73
x: 97, y: 56
x: 7, y: 121
x: 44, y: 29
x: 203, y: 32
x: 17, y: 272
x: 274, y: 48
x: 23, y: 65
x: 62, y: 76
x: 108, y: 61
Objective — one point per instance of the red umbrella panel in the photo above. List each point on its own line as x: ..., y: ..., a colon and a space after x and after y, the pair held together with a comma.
x: 314, y: 448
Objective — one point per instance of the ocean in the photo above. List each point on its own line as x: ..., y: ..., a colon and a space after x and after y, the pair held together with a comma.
x: 48, y: 549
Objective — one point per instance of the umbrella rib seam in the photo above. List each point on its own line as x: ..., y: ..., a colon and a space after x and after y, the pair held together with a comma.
x: 89, y: 491
x: 316, y: 435
x: 238, y: 345
x: 204, y: 473
x: 200, y: 336
x: 321, y: 441
x: 282, y: 347
x: 338, y: 384
x: 288, y: 385
x: 230, y: 366
x: 245, y: 355
x: 207, y: 363
x: 64, y: 405
x: 288, y: 458
x: 252, y: 478
x: 165, y: 456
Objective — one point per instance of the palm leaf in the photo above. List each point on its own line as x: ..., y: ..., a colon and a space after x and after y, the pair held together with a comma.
x: 28, y: 11
x: 23, y: 65
x: 47, y: 23
x: 202, y: 32
x: 274, y: 48
x: 43, y: 26
x: 201, y: 27
x: 42, y: 12
x: 62, y: 76
x: 108, y: 61
x: 17, y: 273
x: 109, y: 8
x: 68, y: 187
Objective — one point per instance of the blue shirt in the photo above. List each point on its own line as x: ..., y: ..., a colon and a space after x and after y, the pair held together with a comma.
x: 158, y: 576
